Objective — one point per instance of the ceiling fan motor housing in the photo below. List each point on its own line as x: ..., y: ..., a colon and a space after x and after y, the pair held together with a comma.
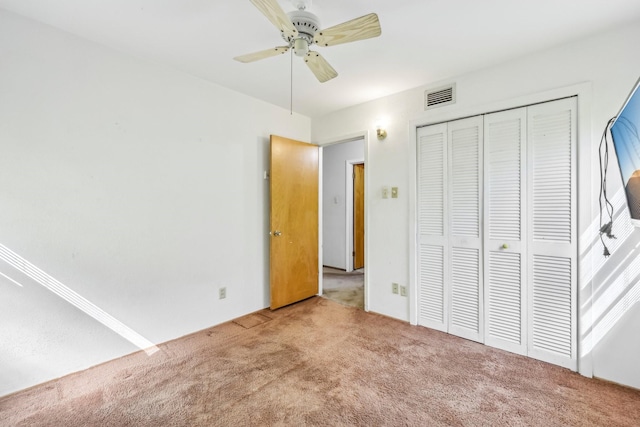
x: 306, y: 23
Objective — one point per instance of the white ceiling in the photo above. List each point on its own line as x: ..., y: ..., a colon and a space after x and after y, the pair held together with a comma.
x: 422, y: 41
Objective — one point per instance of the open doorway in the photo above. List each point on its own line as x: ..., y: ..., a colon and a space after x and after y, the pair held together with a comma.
x: 343, y: 206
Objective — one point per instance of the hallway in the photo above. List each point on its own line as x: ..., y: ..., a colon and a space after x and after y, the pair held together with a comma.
x: 344, y: 288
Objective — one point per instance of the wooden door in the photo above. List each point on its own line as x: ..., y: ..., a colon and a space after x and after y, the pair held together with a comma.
x: 358, y: 216
x: 294, y: 221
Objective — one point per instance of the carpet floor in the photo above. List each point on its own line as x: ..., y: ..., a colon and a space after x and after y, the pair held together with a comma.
x: 322, y: 363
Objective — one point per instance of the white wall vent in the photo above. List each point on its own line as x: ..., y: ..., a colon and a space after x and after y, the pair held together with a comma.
x: 439, y: 97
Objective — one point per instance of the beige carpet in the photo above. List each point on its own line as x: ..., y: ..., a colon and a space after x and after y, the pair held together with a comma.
x: 321, y: 363
x: 344, y: 288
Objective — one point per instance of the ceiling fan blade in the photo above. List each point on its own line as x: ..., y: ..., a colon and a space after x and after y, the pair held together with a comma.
x: 320, y: 67
x: 256, y: 56
x: 272, y: 10
x: 365, y: 27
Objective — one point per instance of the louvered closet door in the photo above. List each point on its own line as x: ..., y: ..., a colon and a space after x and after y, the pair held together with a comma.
x: 465, y: 234
x: 432, y: 226
x: 552, y: 232
x: 505, y: 217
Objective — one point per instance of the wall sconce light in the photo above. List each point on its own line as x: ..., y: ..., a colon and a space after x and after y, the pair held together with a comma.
x: 381, y: 127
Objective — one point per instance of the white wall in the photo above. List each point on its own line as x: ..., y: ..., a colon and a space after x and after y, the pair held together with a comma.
x: 335, y: 200
x: 137, y: 187
x: 607, y: 62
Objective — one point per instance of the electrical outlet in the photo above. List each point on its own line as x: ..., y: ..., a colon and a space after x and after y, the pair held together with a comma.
x: 223, y: 293
x: 394, y: 288
x: 403, y: 291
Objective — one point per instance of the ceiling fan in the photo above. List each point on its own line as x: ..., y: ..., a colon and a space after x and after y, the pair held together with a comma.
x: 300, y: 30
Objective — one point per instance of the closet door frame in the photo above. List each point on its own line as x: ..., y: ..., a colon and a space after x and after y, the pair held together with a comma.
x: 585, y: 167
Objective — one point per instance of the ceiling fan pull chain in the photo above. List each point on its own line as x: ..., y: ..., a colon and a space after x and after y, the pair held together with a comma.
x: 291, y: 88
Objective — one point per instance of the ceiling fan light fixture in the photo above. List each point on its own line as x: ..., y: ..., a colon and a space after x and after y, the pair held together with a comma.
x: 300, y: 47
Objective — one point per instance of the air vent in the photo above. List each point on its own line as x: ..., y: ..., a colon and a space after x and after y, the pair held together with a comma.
x: 440, y: 97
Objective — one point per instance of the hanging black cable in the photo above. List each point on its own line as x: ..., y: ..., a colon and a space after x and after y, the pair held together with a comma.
x: 605, y: 229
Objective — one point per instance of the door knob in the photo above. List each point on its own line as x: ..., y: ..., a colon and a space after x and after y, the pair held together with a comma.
x: 277, y: 233
x: 505, y: 246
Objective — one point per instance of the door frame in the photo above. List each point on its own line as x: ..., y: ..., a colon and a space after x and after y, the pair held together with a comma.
x: 349, y: 191
x: 364, y: 135
x: 583, y: 91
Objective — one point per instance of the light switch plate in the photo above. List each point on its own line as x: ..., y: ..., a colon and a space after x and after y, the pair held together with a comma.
x: 394, y: 192
x: 385, y: 192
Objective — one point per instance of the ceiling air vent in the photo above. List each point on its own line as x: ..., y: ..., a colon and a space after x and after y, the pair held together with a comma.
x: 440, y: 97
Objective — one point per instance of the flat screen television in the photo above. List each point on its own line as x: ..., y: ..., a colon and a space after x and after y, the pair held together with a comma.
x: 626, y: 141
